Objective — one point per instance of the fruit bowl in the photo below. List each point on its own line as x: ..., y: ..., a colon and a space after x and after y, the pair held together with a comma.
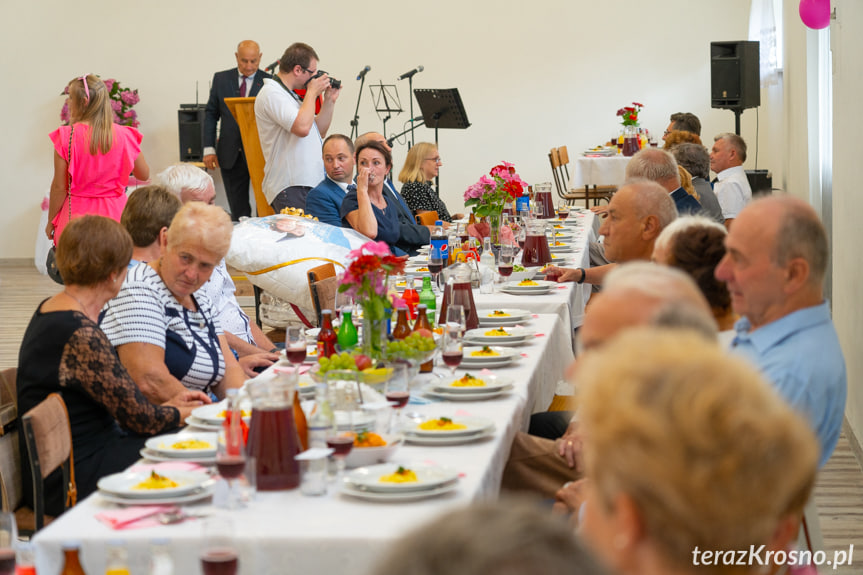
x: 370, y: 376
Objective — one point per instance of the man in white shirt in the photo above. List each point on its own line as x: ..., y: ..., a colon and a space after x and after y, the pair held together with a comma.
x: 731, y: 187
x: 290, y: 132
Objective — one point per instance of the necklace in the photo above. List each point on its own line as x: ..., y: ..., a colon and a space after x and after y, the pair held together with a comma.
x: 83, y: 307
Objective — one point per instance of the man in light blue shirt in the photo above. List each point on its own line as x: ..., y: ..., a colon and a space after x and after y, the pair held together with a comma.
x: 774, y: 267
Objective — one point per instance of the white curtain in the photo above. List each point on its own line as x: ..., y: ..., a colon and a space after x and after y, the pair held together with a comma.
x: 762, y: 28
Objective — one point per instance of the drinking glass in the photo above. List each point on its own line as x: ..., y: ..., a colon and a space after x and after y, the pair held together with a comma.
x: 343, y: 300
x: 562, y: 210
x: 453, y: 351
x: 455, y: 315
x: 218, y: 554
x: 295, y: 345
x: 504, y: 261
x: 462, y: 232
x: 231, y: 460
x: 398, y: 392
x: 344, y: 395
x: 8, y: 538
x: 435, y: 267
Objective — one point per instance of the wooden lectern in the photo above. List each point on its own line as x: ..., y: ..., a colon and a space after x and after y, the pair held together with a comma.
x: 243, y: 110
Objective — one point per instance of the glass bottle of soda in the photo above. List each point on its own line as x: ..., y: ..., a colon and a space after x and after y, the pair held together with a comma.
x: 427, y: 298
x: 411, y: 297
x: 327, y: 336
x: 118, y: 559
x: 71, y: 561
x: 422, y: 322
x: 402, y: 328
x: 347, y: 336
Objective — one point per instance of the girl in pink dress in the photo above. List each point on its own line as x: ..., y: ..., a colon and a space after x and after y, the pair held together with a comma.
x: 103, y: 154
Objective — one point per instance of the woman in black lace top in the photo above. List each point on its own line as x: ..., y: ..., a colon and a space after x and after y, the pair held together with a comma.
x: 421, y: 167
x: 64, y: 351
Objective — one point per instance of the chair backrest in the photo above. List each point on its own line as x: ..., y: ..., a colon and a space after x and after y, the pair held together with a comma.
x: 48, y: 437
x: 554, y: 160
x: 324, y: 294
x: 8, y: 392
x: 243, y: 110
x: 427, y: 218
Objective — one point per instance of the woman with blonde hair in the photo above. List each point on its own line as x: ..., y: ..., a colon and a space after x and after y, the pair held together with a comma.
x: 93, y: 158
x: 422, y: 165
x: 691, y: 457
x: 163, y: 326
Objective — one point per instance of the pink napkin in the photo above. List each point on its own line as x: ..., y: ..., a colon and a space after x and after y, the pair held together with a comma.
x: 167, y: 466
x: 133, y: 517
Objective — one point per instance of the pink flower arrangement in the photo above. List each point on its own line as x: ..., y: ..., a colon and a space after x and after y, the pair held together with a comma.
x: 366, y: 277
x: 491, y: 192
x: 122, y: 100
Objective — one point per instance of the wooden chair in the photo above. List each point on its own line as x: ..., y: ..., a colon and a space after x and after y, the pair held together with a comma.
x: 559, y: 160
x: 48, y: 437
x: 243, y: 110
x: 322, y: 287
x: 426, y: 218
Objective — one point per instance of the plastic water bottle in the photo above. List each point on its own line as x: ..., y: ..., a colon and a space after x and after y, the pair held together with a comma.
x: 439, y: 242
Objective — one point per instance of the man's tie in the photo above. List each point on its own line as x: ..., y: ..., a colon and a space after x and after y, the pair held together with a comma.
x: 243, y: 87
x: 352, y: 188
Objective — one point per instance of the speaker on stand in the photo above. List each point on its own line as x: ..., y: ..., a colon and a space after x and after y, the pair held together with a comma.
x: 735, y: 82
x: 190, y: 118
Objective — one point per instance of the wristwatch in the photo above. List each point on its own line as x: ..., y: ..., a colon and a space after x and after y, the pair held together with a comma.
x: 583, y: 275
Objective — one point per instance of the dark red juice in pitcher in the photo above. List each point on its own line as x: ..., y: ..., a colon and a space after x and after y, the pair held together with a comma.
x: 273, y: 442
x: 535, y: 252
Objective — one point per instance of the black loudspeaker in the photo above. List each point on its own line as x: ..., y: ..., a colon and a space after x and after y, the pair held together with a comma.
x: 760, y: 181
x: 190, y: 118
x: 734, y: 75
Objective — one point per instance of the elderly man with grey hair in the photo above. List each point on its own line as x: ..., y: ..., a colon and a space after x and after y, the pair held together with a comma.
x: 192, y: 184
x: 659, y: 166
x: 695, y: 159
x: 634, y: 294
x: 731, y: 187
x: 637, y: 213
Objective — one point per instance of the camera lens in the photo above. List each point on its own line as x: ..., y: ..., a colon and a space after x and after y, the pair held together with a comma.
x: 335, y: 84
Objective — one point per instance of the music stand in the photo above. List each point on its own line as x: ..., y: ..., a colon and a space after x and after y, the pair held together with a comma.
x: 442, y: 109
x: 386, y: 101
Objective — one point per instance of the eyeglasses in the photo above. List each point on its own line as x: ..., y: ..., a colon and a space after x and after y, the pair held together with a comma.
x: 436, y: 160
x: 666, y: 132
x: 312, y: 72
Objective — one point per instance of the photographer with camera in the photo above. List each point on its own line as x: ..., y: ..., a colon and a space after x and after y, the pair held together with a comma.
x: 290, y: 132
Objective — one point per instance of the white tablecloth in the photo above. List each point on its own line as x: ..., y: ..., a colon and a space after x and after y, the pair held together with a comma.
x: 286, y: 532
x: 589, y: 171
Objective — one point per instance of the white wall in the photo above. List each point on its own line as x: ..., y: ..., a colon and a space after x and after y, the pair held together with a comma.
x: 532, y: 75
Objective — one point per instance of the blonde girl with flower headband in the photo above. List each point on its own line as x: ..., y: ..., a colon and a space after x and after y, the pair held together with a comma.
x: 93, y: 158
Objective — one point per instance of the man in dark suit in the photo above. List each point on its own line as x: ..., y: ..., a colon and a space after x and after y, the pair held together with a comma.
x: 227, y: 154
x: 325, y: 200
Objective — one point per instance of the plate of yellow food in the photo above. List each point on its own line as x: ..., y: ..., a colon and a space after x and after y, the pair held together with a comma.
x: 487, y: 356
x: 448, y: 426
x: 499, y: 335
x: 471, y: 385
x: 400, y: 477
x: 154, y: 483
x: 502, y: 316
x: 214, y: 413
x: 370, y: 448
x: 184, y: 445
x: 528, y: 287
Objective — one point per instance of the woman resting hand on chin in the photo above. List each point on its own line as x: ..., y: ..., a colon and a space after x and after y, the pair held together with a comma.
x: 64, y: 351
x: 164, y: 328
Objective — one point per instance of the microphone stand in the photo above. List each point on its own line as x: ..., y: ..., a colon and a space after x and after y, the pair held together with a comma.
x: 411, y: 98
x: 355, y: 123
x: 419, y: 122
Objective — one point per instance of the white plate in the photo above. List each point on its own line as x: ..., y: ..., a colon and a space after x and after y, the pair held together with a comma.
x: 212, y: 412
x: 492, y: 383
x: 439, y: 393
x: 513, y: 343
x: 543, y: 291
x: 564, y: 249
x: 428, y: 477
x: 457, y: 440
x: 163, y: 445
x: 364, y: 456
x: 541, y: 286
x: 514, y: 335
x: 193, y: 421
x: 151, y: 455
x: 473, y: 426
x: 485, y: 316
x: 505, y: 356
x: 202, y: 493
x: 122, y: 484
x: 312, y: 334
x: 397, y: 496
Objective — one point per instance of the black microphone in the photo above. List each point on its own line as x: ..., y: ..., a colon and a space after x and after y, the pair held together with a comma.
x: 363, y: 72
x: 271, y: 67
x: 411, y: 74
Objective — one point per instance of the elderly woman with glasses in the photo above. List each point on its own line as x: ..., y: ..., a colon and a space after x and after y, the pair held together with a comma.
x: 421, y: 167
x: 163, y: 326
x: 93, y: 158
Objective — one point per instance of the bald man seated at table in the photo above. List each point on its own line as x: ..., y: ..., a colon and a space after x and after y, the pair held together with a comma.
x: 634, y: 294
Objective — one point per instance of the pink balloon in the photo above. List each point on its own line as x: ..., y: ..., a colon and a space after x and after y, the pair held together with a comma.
x: 815, y: 13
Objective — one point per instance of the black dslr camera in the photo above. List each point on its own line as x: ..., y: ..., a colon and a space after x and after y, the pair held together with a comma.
x: 335, y: 84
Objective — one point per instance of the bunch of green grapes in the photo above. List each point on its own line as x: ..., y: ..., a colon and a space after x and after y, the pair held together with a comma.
x: 342, y: 360
x: 414, y: 345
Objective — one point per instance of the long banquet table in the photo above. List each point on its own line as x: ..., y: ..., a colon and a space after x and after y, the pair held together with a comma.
x: 598, y: 171
x: 286, y: 531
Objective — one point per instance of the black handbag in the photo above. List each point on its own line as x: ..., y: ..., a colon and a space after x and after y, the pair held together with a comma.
x: 51, y: 260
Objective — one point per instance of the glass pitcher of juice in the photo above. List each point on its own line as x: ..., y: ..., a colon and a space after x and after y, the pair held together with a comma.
x: 542, y: 197
x: 535, y: 252
x: 273, y: 437
x: 457, y: 291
